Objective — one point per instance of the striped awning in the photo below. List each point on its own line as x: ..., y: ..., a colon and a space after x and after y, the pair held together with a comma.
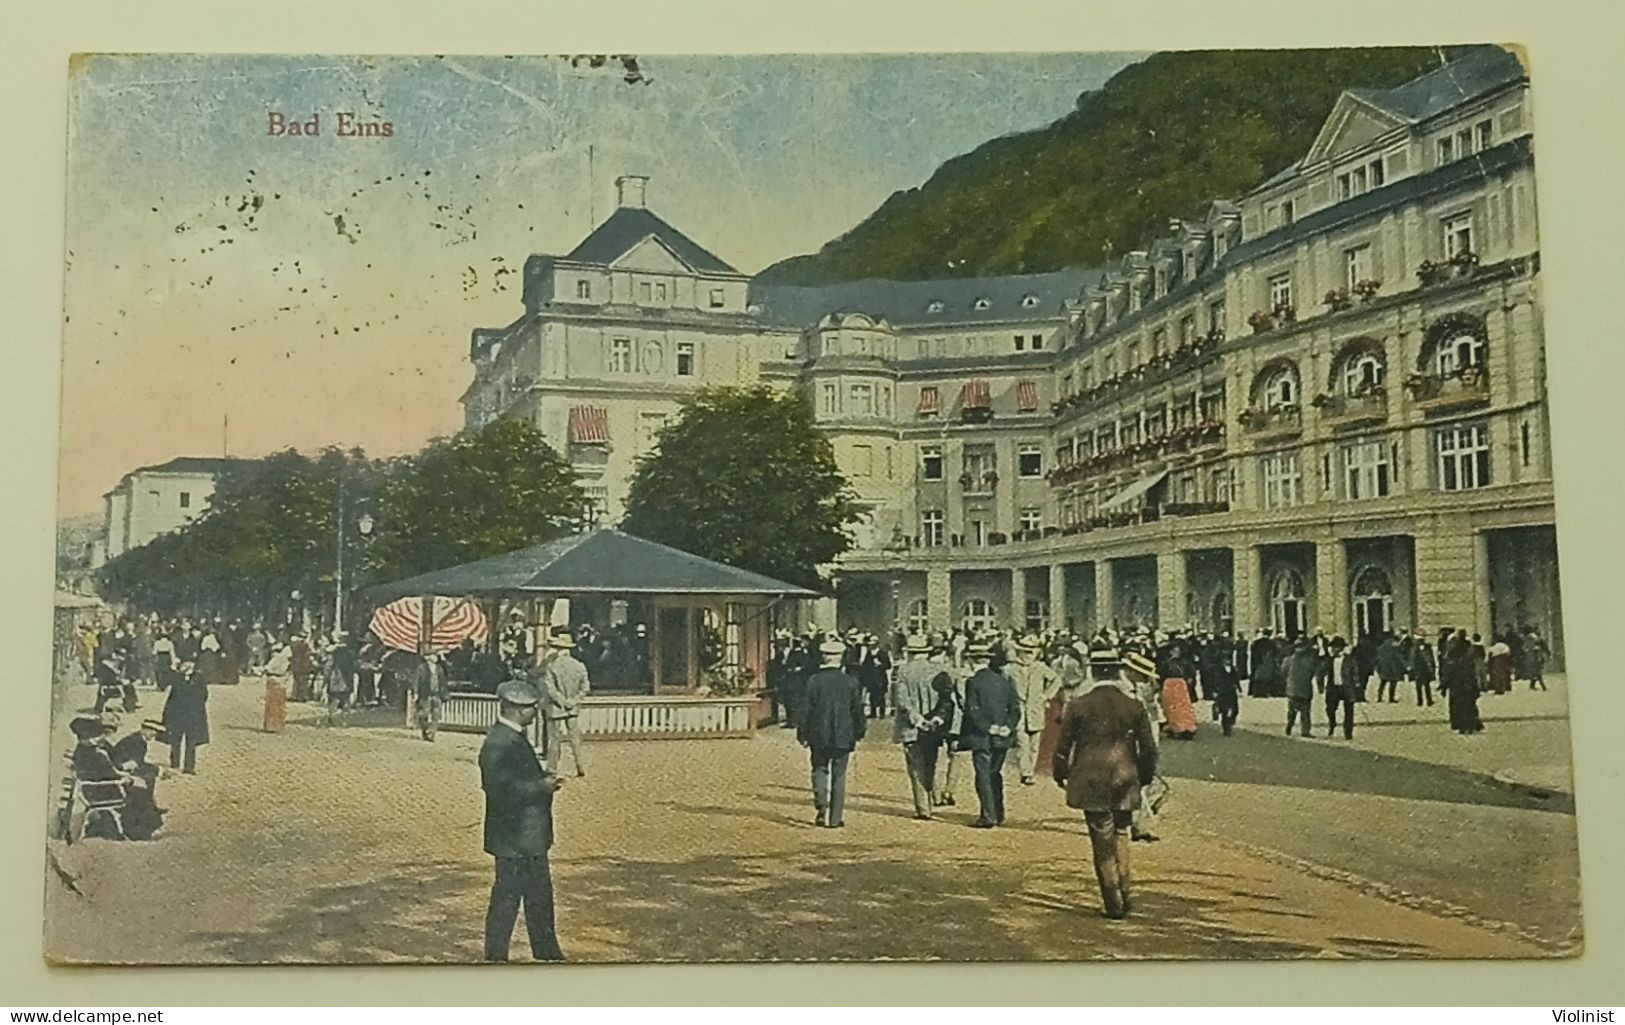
x: 400, y: 623
x: 1124, y: 498
x: 930, y: 403
x: 1027, y: 396
x: 589, y: 425
x: 976, y: 395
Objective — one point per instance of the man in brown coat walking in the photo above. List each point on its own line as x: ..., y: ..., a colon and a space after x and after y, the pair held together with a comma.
x: 1107, y: 751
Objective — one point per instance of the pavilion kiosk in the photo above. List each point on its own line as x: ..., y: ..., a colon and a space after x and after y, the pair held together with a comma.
x: 680, y: 643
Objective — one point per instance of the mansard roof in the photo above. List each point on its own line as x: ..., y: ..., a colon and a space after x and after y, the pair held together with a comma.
x: 1480, y: 70
x: 918, y: 303
x: 628, y: 226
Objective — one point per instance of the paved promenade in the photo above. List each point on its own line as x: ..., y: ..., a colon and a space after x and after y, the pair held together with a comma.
x: 360, y: 843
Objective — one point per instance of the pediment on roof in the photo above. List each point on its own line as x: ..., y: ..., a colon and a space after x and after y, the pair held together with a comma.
x: 1353, y: 123
x: 651, y: 255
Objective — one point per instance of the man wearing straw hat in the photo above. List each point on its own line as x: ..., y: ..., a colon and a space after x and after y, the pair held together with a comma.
x: 1035, y: 683
x: 565, y: 682
x: 914, y: 695
x: 1139, y: 681
x: 1106, y: 755
x: 832, y: 724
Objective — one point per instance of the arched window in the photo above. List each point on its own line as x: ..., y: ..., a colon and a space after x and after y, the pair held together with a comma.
x: 1288, y: 604
x: 1373, y: 595
x: 977, y: 615
x: 1363, y: 372
x: 1276, y: 386
x: 1457, y: 353
x: 918, y: 621
x: 654, y: 358
x: 1454, y: 344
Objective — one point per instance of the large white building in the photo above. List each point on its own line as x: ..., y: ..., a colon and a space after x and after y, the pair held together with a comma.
x: 1322, y: 404
x: 154, y: 500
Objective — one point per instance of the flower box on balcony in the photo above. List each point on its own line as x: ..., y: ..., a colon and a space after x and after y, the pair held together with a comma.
x: 1195, y: 508
x: 1271, y: 422
x: 976, y: 414
x: 996, y: 538
x: 1366, y: 288
x: 1461, y: 265
x: 1365, y: 407
x: 1433, y: 393
x: 1260, y: 322
x: 1338, y: 300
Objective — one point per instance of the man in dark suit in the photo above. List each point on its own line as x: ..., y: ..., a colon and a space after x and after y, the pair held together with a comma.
x: 1343, y: 682
x: 831, y: 725
x: 518, y: 827
x: 1106, y: 753
x: 992, y: 716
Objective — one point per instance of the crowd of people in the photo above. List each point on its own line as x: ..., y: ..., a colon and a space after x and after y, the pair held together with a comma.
x: 959, y: 696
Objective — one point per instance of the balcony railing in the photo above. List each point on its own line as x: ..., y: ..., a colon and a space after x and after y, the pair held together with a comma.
x: 1276, y: 421
x: 1435, y: 393
x: 1340, y: 411
x: 1194, y: 508
x: 1180, y: 440
x: 1159, y: 367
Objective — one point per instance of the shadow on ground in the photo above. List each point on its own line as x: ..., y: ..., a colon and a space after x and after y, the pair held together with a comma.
x: 829, y: 903
x: 1322, y: 764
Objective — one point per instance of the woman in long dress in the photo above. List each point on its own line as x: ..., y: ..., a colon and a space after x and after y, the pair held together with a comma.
x: 1069, y: 666
x: 1458, y: 680
x: 1500, y: 667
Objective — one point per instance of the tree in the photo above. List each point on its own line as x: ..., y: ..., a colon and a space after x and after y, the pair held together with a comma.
x: 270, y: 529
x: 745, y: 477
x: 469, y: 497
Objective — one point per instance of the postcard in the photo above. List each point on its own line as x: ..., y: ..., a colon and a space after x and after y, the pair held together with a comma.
x: 933, y: 507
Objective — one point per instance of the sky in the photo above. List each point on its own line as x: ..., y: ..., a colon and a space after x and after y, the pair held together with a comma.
x: 232, y: 291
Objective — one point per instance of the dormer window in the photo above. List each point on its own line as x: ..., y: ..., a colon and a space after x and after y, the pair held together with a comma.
x: 1029, y: 301
x: 981, y: 304
x: 934, y: 306
x: 583, y: 289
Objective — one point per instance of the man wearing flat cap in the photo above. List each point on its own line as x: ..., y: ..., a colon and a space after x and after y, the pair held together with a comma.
x: 518, y: 827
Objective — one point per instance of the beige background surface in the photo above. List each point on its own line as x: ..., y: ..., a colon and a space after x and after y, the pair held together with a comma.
x: 1573, y: 49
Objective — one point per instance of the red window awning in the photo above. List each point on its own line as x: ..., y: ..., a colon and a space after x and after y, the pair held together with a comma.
x: 1027, y: 396
x: 930, y: 404
x: 589, y: 425
x: 976, y: 395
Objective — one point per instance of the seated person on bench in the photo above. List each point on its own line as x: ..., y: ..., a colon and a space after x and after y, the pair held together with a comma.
x: 93, y: 765
x: 130, y: 754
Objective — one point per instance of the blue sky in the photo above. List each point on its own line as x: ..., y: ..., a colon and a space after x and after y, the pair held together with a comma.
x: 211, y: 275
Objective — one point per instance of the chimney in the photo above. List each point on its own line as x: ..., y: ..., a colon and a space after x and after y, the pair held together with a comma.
x: 629, y: 190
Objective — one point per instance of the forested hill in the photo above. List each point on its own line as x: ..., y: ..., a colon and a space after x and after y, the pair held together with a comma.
x: 1159, y: 140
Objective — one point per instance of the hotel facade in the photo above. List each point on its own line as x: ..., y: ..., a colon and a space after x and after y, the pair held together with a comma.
x: 1322, y: 405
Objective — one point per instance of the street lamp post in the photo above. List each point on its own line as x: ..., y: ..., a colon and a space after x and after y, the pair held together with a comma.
x: 364, y: 524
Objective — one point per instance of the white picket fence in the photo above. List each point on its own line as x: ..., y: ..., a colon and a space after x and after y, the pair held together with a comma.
x: 628, y: 717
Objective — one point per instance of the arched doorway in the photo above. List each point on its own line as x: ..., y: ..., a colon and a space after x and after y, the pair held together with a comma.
x: 977, y: 616
x: 1288, y: 605
x: 919, y: 621
x: 1373, y: 602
